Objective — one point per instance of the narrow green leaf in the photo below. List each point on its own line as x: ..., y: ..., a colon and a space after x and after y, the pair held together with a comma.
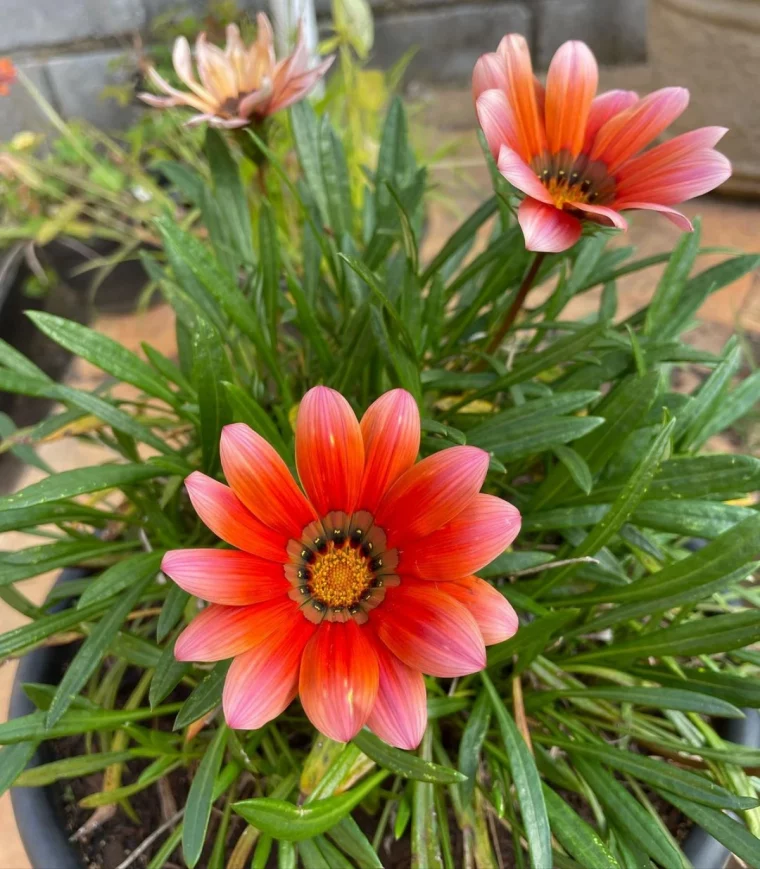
x: 269, y: 256
x: 660, y: 774
x: 426, y: 850
x: 200, y: 798
x: 527, y: 783
x: 622, y: 507
x: 210, y: 370
x: 204, y: 698
x: 535, y: 637
x: 13, y: 759
x: 348, y: 836
x: 578, y: 838
x: 404, y: 763
x: 171, y: 612
x: 731, y: 408
x: 103, y: 352
x: 471, y: 743
x: 460, y: 238
x: 131, y: 571
x: 283, y: 820
x: 630, y: 816
x: 168, y: 674
x: 80, y: 481
x: 92, y: 650
x: 230, y: 193
x: 658, y: 698
x: 576, y: 466
x: 26, y: 563
x: 671, y: 285
x: 733, y: 688
x: 75, y: 767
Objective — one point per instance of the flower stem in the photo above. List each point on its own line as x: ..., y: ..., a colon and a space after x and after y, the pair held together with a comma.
x: 517, y: 303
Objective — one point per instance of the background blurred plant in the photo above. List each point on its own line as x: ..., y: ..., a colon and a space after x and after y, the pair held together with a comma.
x: 631, y: 575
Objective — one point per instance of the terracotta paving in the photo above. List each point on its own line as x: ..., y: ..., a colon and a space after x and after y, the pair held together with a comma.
x: 726, y: 223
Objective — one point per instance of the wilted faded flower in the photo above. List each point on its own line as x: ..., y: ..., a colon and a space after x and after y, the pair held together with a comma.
x: 240, y: 84
x: 578, y: 156
x: 8, y: 75
x: 348, y: 594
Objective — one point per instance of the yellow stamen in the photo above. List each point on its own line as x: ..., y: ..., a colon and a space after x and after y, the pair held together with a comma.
x: 561, y: 192
x: 339, y: 576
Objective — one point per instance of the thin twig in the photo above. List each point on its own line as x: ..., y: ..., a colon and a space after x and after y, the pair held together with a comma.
x: 521, y: 719
x: 540, y: 568
x: 147, y: 842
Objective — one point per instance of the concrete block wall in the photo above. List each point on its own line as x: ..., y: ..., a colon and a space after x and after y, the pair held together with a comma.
x: 69, y: 48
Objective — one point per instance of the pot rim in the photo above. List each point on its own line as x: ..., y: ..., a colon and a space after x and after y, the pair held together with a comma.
x: 39, y: 819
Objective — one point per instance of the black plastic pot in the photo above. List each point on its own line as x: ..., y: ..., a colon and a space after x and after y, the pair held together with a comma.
x: 39, y: 817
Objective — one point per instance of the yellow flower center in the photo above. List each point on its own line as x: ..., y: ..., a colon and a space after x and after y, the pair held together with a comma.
x: 562, y: 192
x: 340, y: 576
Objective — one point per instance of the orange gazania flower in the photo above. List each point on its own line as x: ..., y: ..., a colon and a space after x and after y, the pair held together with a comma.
x: 240, y: 84
x: 8, y: 75
x: 348, y: 594
x: 578, y: 156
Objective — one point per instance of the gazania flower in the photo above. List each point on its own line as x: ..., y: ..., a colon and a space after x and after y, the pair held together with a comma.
x: 240, y: 84
x: 578, y: 156
x: 348, y: 594
x: 8, y: 75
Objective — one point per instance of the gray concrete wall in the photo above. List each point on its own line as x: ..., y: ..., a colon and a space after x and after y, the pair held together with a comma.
x: 70, y: 49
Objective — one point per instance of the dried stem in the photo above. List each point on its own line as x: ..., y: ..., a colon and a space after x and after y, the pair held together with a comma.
x: 521, y: 720
x: 149, y: 840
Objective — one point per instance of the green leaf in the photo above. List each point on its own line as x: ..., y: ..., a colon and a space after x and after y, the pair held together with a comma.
x: 171, y: 612
x: 701, y: 286
x: 471, y: 743
x: 578, y: 838
x: 671, y: 285
x: 200, y: 798
x: 303, y: 122
x: 526, y: 781
x: 75, y: 767
x: 335, y: 176
x: 75, y: 722
x: 348, y: 836
x: 624, y: 408
x: 660, y: 774
x: 520, y: 439
x: 168, y: 674
x: 735, y: 836
x: 425, y: 844
x: 699, y: 411
x: 576, y: 466
x: 30, y: 634
x: 103, y: 353
x: 166, y: 368
x: 630, y: 816
x: 658, y: 698
x: 735, y: 689
x: 230, y: 193
x: 731, y: 408
x: 269, y: 255
x: 88, y: 402
x: 210, y: 371
x: 535, y: 637
x: 246, y: 409
x: 131, y: 571
x: 13, y: 759
x: 80, y: 481
x: 283, y: 820
x: 701, y: 519
x: 93, y: 649
x: 17, y: 362
x: 204, y: 698
x: 25, y: 563
x: 621, y: 509
x: 461, y: 237
x: 403, y: 762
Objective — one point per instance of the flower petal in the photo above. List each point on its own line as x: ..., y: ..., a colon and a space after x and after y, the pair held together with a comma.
x: 490, y: 73
x: 339, y: 679
x: 497, y: 120
x: 182, y: 61
x: 263, y: 682
x: 521, y: 95
x: 431, y: 493
x: 262, y: 481
x: 604, y: 107
x: 628, y: 132
x: 223, y: 513
x: 680, y: 220
x: 601, y: 214
x: 299, y: 86
x: 570, y: 88
x: 391, y: 432
x: 469, y: 542
x: 225, y: 576
x: 520, y: 175
x: 494, y: 614
x: 399, y: 715
x: 693, y: 175
x: 217, y: 74
x: 546, y: 228
x: 329, y: 450
x: 221, y: 632
x: 430, y: 630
